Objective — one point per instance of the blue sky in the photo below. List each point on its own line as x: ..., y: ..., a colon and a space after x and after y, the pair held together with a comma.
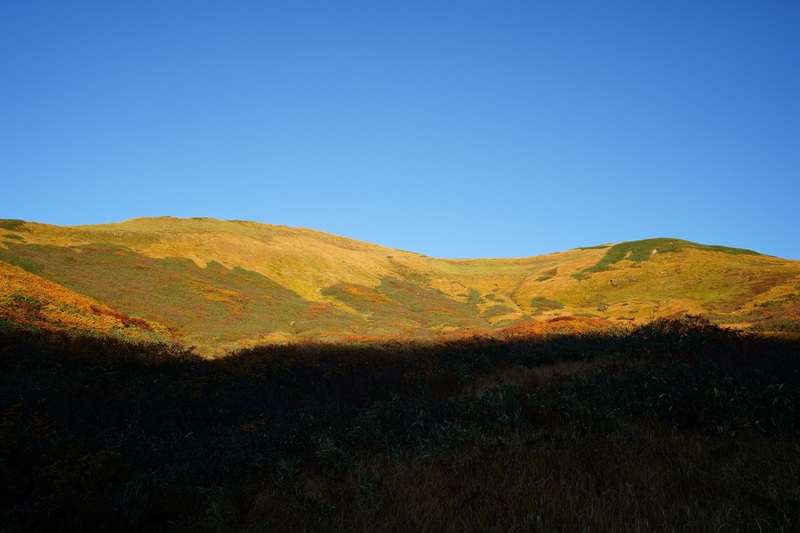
x: 452, y: 129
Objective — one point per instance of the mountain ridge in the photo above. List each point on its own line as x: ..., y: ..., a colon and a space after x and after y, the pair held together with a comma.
x: 221, y: 284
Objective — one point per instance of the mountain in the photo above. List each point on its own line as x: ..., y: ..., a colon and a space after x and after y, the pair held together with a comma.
x: 223, y: 284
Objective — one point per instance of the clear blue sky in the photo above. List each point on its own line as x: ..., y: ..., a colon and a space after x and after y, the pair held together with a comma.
x: 453, y: 129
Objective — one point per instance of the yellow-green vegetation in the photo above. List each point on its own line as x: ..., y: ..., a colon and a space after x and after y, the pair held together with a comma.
x: 677, y: 425
x: 34, y: 303
x: 222, y: 284
x: 541, y: 304
x: 645, y: 249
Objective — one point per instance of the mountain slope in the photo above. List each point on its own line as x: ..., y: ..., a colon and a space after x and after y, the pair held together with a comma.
x: 29, y: 300
x: 221, y: 284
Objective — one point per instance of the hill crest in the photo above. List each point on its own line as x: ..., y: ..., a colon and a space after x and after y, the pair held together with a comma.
x: 219, y: 284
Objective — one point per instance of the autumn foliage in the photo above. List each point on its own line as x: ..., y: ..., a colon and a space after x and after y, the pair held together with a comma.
x: 32, y: 302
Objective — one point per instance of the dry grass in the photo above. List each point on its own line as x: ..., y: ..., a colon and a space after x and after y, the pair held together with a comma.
x: 727, y: 287
x: 646, y: 480
x: 520, y: 376
x: 677, y: 425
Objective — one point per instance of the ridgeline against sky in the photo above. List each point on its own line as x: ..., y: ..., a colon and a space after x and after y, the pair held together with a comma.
x: 451, y: 129
x: 220, y: 285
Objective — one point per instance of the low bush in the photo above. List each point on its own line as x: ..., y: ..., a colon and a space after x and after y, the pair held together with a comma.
x: 660, y: 427
x: 541, y: 304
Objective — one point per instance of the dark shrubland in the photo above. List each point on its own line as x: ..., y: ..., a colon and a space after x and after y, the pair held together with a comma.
x: 677, y: 424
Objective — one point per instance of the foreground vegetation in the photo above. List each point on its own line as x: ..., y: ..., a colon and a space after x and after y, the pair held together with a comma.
x: 675, y: 425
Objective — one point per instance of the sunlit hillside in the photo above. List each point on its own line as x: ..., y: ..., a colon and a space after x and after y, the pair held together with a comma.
x: 222, y: 284
x: 30, y: 301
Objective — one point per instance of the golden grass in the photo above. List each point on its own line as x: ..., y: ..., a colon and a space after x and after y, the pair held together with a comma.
x: 307, y: 262
x: 29, y: 300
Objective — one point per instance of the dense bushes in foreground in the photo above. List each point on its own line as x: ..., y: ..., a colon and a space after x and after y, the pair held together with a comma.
x: 677, y: 424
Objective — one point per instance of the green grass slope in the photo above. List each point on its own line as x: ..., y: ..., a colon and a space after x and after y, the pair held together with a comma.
x: 645, y: 249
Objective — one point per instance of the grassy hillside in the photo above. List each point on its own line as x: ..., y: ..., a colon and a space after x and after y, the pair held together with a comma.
x: 221, y: 284
x: 29, y: 302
